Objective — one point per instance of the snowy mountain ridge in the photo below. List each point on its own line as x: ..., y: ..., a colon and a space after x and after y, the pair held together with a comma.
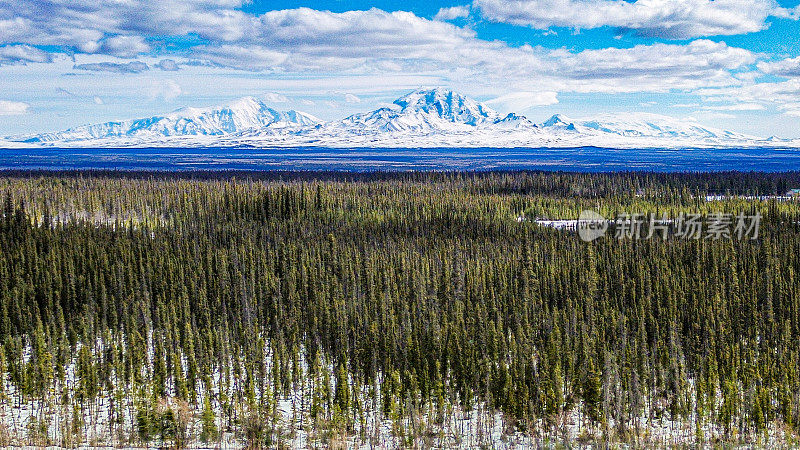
x: 241, y: 115
x: 427, y: 111
x: 434, y: 117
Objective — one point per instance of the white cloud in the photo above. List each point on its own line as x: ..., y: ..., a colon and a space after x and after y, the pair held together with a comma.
x: 97, y: 100
x: 790, y: 109
x: 652, y: 68
x: 711, y: 115
x: 307, y: 102
x: 788, y: 13
x: 452, y: 13
x: 671, y: 19
x: 786, y: 67
x: 367, y: 42
x: 274, y: 97
x: 114, y: 27
x: 294, y: 39
x: 520, y: 101
x: 350, y: 98
x: 10, y: 54
x: 9, y: 108
x: 167, y: 65
x: 780, y: 93
x: 736, y: 107
x: 253, y: 58
x: 783, y: 95
x: 124, y: 46
x: 165, y: 89
x: 131, y: 67
x: 119, y: 28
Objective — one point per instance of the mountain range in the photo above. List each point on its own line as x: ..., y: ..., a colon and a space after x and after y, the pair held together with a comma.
x: 423, y: 118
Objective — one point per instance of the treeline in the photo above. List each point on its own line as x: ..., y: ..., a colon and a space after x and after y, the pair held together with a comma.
x: 296, y: 311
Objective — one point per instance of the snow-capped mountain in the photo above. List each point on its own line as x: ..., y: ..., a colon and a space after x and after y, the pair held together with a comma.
x: 425, y: 111
x: 559, y: 122
x: 423, y: 118
x: 641, y: 125
x: 242, y: 115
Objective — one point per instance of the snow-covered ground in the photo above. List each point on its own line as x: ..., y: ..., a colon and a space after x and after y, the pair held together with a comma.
x: 110, y: 419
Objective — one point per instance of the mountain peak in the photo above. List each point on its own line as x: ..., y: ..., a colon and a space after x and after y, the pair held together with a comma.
x: 422, y: 96
x: 246, y: 102
x: 557, y: 119
x: 431, y: 116
x: 244, y: 114
x: 425, y: 110
x: 446, y: 104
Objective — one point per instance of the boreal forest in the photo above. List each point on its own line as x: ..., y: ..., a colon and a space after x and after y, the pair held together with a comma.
x: 408, y: 310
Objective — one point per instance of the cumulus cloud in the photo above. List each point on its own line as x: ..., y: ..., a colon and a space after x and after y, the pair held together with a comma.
x: 789, y: 67
x: 124, y: 46
x: 11, y: 54
x: 9, y: 108
x: 167, y: 65
x: 783, y: 95
x: 520, y: 101
x: 274, y: 97
x: 790, y: 109
x: 657, y: 67
x: 111, y: 26
x: 390, y: 43
x: 669, y: 19
x: 780, y: 93
x: 253, y: 58
x: 165, y: 89
x: 350, y: 98
x: 788, y: 13
x: 119, y: 28
x: 371, y: 41
x: 305, y: 39
x: 308, y: 39
x: 232, y: 38
x: 452, y: 13
x: 131, y: 67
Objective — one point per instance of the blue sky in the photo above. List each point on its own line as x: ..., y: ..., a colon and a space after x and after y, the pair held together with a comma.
x: 732, y: 64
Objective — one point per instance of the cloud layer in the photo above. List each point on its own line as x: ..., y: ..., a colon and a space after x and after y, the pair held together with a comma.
x: 9, y: 108
x: 789, y: 67
x: 373, y: 41
x: 131, y: 67
x: 671, y: 19
x: 13, y: 54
